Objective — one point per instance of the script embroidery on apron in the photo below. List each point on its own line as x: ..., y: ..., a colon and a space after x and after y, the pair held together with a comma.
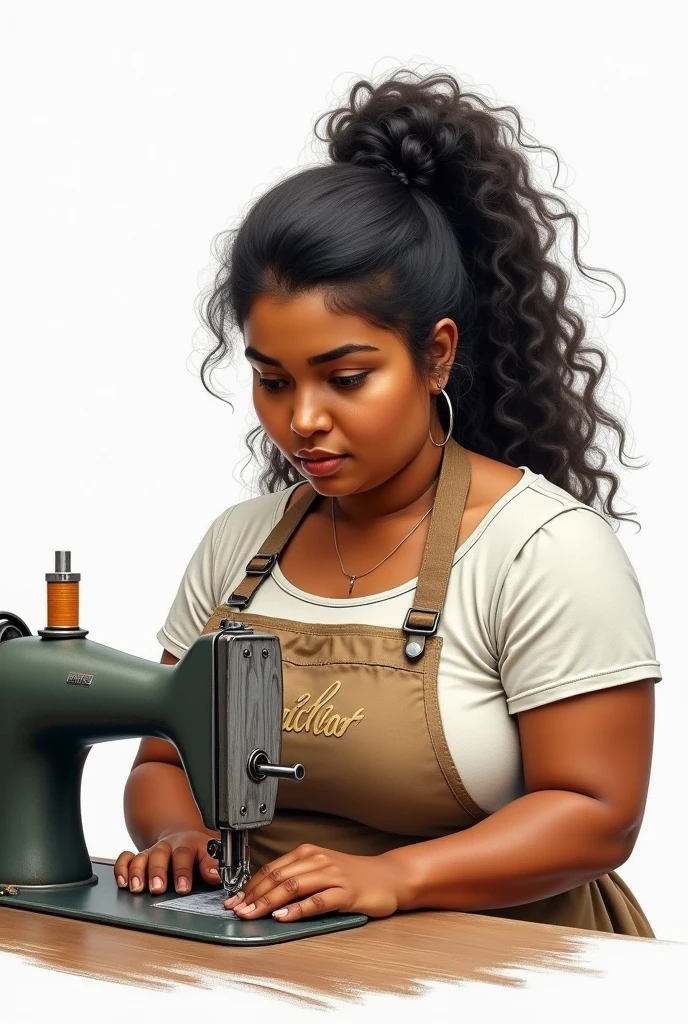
x: 326, y: 722
x: 389, y: 779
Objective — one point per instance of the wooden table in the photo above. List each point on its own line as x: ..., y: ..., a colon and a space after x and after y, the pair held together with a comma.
x: 398, y: 956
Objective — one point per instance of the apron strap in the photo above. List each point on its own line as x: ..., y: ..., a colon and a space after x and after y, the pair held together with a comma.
x: 261, y: 565
x: 422, y: 619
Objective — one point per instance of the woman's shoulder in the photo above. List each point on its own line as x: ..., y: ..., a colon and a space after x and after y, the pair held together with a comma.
x: 511, y: 503
x: 530, y: 502
x: 490, y: 480
x: 533, y: 513
x: 263, y: 504
x: 251, y: 518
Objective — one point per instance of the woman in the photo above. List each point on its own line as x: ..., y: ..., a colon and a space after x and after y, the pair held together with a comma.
x: 468, y: 669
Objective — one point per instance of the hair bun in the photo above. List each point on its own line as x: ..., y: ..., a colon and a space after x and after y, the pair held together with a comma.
x: 395, y: 172
x: 399, y: 126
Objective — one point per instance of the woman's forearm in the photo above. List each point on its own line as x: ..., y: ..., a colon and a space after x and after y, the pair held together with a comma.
x: 157, y: 800
x: 539, y: 845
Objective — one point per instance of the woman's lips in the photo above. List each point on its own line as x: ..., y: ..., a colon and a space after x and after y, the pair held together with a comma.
x: 321, y: 467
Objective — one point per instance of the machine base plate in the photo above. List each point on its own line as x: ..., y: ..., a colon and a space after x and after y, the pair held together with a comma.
x: 106, y: 903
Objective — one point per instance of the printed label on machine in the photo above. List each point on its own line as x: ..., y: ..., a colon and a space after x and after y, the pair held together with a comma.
x: 210, y: 903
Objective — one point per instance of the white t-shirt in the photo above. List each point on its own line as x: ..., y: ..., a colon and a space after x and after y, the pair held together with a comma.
x: 542, y: 603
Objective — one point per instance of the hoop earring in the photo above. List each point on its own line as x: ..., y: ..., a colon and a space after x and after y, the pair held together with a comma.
x: 451, y: 422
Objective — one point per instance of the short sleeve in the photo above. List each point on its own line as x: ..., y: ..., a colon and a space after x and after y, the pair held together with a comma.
x: 197, y: 596
x: 570, y: 617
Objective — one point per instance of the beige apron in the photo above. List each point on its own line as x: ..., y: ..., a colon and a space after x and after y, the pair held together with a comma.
x: 361, y: 713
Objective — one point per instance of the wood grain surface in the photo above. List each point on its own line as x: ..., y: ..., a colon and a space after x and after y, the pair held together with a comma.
x: 399, y: 955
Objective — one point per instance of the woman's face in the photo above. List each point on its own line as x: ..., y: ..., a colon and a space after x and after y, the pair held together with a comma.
x: 365, y: 404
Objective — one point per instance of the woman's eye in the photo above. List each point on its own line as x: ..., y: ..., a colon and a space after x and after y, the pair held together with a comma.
x: 349, y: 382
x: 265, y: 383
x: 344, y: 382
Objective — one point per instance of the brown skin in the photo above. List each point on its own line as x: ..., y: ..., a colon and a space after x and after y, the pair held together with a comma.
x: 586, y: 778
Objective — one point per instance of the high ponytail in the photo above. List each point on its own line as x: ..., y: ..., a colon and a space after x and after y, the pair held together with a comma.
x: 458, y: 229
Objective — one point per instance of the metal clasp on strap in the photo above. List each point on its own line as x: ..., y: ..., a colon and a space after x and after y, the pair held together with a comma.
x: 417, y: 634
x: 261, y: 570
x: 268, y: 562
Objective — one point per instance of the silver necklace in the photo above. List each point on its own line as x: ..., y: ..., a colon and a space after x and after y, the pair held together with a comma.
x: 352, y: 579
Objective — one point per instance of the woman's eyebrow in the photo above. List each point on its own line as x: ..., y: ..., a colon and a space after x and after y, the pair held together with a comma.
x: 324, y: 357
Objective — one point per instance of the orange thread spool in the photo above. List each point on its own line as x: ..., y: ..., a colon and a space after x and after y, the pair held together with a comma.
x: 63, y: 605
x: 63, y: 601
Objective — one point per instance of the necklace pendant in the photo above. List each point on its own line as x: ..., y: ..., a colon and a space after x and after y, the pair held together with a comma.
x: 351, y: 585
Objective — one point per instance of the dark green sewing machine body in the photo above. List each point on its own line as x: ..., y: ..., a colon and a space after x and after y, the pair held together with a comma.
x: 48, y: 725
x: 59, y: 697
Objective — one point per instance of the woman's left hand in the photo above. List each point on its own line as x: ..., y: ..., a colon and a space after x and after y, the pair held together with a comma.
x: 311, y: 880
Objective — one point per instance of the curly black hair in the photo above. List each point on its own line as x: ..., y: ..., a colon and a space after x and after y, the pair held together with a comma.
x: 458, y: 230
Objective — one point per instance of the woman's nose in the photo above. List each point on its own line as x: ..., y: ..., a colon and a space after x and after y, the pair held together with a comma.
x: 309, y: 416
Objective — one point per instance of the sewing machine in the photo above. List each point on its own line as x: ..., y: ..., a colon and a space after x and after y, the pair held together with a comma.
x: 221, y: 706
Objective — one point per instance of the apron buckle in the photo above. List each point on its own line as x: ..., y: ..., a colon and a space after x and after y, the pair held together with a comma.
x: 261, y: 570
x: 417, y: 634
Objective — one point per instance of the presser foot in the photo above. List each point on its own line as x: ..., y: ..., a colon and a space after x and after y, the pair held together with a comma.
x: 234, y: 883
x: 232, y: 854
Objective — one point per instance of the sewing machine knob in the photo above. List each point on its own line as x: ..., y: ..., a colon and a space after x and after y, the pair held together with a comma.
x: 259, y: 768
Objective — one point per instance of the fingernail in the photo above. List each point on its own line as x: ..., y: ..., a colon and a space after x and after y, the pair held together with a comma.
x: 136, y: 884
x: 121, y: 880
x: 246, y: 910
x: 183, y: 884
x: 214, y: 871
x: 156, y: 884
x: 280, y: 913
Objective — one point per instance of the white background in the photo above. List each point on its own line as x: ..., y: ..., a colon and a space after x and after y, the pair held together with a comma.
x: 135, y: 132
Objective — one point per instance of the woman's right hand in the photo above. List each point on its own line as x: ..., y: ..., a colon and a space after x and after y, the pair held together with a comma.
x: 150, y: 868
